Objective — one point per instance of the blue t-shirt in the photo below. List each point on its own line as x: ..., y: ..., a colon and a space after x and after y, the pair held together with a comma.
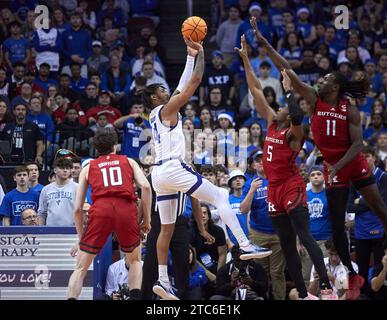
x: 320, y: 224
x: 133, y: 141
x: 15, y: 202
x: 235, y: 203
x: 259, y: 215
x: 38, y: 188
x: 16, y: 49
x: 304, y: 28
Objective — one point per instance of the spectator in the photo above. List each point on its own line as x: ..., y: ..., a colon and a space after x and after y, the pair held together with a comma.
x: 291, y: 49
x: 190, y: 113
x: 225, y: 137
x: 262, y: 56
x: 5, y: 115
x: 369, y: 231
x: 117, y: 82
x: 241, y: 280
x: 16, y: 47
x: 76, y: 170
x: 216, y: 103
x: 104, y: 105
x: 43, y: 80
x: 244, y: 147
x: 151, y: 77
x: 89, y: 17
x: 380, y: 45
x: 25, y: 94
x: 65, y: 90
x: 89, y: 98
x: 21, y: 8
x: 76, y: 45
x: 77, y: 82
x: 102, y: 123
x: 382, y: 146
x: 307, y: 30
x: 56, y: 201
x: 330, y: 39
x: 256, y: 135
x: 158, y: 51
x: 134, y: 127
x: 261, y: 229
x: 33, y: 177
x: 117, y: 275
x: 148, y: 55
x: 59, y: 21
x: 4, y: 84
x: 375, y: 129
x: 374, y: 76
x: 379, y: 278
x: 197, y: 277
x: 352, y: 55
x: 18, y: 199
x: 203, y: 149
x: 48, y: 45
x: 114, y: 12
x: 267, y: 81
x: 24, y: 136
x: 97, y: 58
x: 206, y: 119
x: 121, y: 4
x: 320, y: 225
x: 29, y: 217
x: 354, y: 41
x: 308, y: 71
x: 218, y: 75
x: 38, y: 116
x: 149, y: 9
x: 226, y: 34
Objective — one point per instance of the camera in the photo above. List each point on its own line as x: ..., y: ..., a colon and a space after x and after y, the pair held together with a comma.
x: 123, y: 291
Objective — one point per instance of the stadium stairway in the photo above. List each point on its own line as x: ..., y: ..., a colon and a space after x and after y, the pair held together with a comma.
x: 172, y: 15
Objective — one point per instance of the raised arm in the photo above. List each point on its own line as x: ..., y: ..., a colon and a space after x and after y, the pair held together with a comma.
x: 281, y: 63
x: 173, y: 106
x: 255, y: 87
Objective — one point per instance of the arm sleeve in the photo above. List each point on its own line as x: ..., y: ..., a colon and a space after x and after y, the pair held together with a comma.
x: 187, y: 73
x: 6, y: 207
x: 296, y: 114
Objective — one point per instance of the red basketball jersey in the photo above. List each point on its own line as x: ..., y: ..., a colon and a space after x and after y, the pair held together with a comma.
x: 330, y: 128
x: 111, y: 175
x: 278, y: 158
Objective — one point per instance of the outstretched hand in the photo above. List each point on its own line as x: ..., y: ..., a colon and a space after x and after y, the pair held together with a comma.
x: 243, y: 50
x: 286, y: 82
x: 258, y: 34
x: 195, y: 46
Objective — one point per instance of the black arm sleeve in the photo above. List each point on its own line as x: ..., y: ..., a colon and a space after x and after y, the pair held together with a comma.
x: 296, y: 114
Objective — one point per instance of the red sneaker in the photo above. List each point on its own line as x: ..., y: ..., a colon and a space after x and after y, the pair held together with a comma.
x: 355, y: 282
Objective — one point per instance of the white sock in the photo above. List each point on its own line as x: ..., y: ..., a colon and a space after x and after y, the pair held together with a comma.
x: 163, y: 274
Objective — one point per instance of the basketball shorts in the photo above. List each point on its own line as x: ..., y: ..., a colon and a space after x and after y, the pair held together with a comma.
x: 357, y: 172
x: 172, y: 181
x: 285, y: 197
x: 107, y: 215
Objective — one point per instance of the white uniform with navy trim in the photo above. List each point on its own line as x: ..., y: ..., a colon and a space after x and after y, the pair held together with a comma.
x: 171, y: 175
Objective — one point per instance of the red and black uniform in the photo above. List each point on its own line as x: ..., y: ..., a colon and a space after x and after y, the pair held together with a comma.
x: 330, y: 128
x: 114, y: 205
x: 286, y: 189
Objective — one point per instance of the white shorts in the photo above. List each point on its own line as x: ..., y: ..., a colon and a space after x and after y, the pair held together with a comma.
x: 170, y: 180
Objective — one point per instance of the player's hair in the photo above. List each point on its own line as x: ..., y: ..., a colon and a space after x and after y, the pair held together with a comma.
x: 63, y: 163
x: 369, y: 150
x: 354, y: 89
x: 147, y: 92
x: 19, y: 169
x: 105, y: 140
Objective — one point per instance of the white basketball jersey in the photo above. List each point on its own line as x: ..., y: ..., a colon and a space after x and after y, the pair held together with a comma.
x: 50, y: 57
x: 169, y: 141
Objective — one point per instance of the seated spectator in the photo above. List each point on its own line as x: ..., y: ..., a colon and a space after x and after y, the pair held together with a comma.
x: 197, y: 277
x: 379, y: 278
x: 71, y: 134
x: 354, y: 41
x: 16, y: 47
x: 59, y: 20
x: 244, y: 147
x: 210, y: 256
x: 65, y: 90
x: 24, y: 137
x: 158, y: 51
x: 18, y: 199
x: 89, y: 98
x: 226, y: 137
x: 17, y: 77
x: 33, y: 177
x: 5, y: 115
x: 263, y: 56
x: 206, y: 118
x: 60, y: 109
x: 135, y: 94
x: 77, y: 82
x: 89, y: 17
x: 102, y: 123
x: 96, y: 58
x: 134, y: 128
x: 226, y: 34
x: 148, y: 56
x: 29, y: 217
x: 39, y: 116
x: 291, y: 50
x: 76, y: 45
x: 337, y: 274
x: 374, y: 76
x: 151, y: 77
x: 117, y: 276
x: 216, y: 103
x: 57, y: 199
x: 149, y: 9
x: 376, y: 127
x: 104, y: 105
x: 123, y: 5
x: 267, y: 81
x: 241, y: 280
x: 218, y: 75
x: 380, y: 45
x: 203, y: 150
x: 307, y: 29
x: 308, y: 71
x: 48, y: 45
x: 117, y: 82
x: 43, y: 80
x: 354, y: 60
x: 4, y: 84
x: 114, y: 12
x: 21, y: 7
x: 190, y: 113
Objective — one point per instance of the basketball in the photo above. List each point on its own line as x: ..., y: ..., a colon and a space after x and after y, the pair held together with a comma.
x: 194, y: 27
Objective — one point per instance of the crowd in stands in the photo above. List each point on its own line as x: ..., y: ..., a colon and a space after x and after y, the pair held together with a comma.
x: 86, y: 72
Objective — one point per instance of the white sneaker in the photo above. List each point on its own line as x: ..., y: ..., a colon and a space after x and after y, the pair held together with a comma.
x: 253, y: 251
x: 164, y: 292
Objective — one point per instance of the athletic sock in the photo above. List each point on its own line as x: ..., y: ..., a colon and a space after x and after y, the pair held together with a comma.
x: 163, y: 275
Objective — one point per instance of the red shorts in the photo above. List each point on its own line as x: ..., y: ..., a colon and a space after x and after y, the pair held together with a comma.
x: 356, y: 171
x: 285, y: 197
x: 107, y: 215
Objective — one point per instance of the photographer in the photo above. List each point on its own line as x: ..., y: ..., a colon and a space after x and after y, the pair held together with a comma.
x: 133, y: 126
x: 241, y: 280
x: 117, y: 280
